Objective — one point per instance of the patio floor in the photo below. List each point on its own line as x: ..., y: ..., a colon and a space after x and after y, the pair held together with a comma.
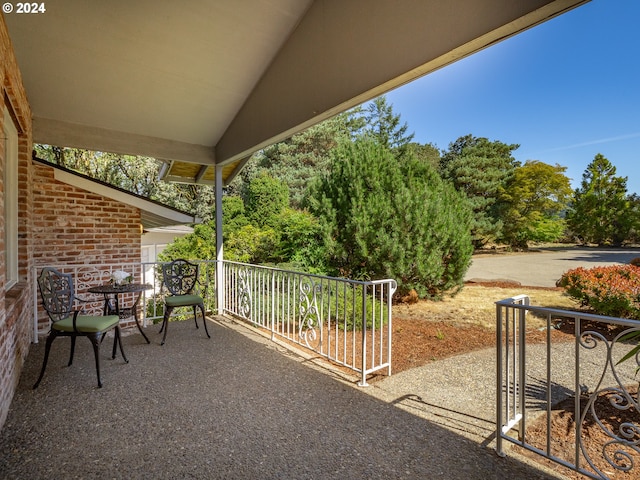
x: 234, y: 406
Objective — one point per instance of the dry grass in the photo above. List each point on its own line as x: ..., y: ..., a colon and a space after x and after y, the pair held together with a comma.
x: 475, y: 304
x: 426, y: 331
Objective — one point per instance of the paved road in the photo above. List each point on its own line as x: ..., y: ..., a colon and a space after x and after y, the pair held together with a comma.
x: 544, y: 267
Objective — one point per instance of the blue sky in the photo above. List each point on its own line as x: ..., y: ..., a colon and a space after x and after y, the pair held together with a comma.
x: 564, y: 91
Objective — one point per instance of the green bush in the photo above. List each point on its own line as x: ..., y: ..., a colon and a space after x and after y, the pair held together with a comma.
x: 265, y: 199
x: 389, y: 218
x: 342, y: 307
x: 612, y: 290
x: 251, y: 244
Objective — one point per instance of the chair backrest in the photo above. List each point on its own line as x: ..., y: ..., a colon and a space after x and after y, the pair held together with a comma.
x: 56, y: 289
x: 180, y: 276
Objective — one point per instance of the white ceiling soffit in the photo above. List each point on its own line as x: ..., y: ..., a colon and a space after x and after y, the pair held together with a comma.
x: 210, y: 82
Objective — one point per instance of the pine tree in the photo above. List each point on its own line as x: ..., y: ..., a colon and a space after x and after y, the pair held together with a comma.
x: 384, y: 125
x: 480, y: 169
x: 297, y: 160
x: 266, y: 198
x: 391, y: 218
x: 601, y: 211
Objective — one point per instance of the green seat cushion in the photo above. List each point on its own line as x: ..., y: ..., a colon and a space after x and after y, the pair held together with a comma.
x: 183, y: 300
x: 87, y: 323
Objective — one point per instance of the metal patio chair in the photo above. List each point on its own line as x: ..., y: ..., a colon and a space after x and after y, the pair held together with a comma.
x: 180, y: 277
x: 58, y: 299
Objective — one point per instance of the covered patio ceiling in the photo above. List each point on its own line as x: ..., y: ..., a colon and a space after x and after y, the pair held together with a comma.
x: 202, y: 83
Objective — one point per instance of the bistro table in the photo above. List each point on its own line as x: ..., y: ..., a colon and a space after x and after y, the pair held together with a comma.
x: 113, y: 292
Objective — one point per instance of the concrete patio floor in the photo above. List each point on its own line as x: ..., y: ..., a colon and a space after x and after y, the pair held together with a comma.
x: 233, y: 406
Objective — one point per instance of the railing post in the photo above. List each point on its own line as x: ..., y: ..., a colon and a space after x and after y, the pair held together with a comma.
x: 363, y: 382
x: 577, y: 393
x: 273, y: 304
x: 510, y: 360
x: 391, y: 288
x: 522, y: 388
x: 499, y: 381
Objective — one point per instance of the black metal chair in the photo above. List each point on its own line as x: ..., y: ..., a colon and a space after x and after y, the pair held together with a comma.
x: 58, y: 299
x: 180, y: 277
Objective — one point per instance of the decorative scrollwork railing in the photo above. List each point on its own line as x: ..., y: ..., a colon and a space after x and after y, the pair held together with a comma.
x: 244, y: 293
x: 310, y: 324
x: 593, y: 378
x: 345, y: 321
x: 621, y: 452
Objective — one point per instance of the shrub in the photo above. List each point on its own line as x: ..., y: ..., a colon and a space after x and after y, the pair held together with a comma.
x: 635, y: 262
x: 265, y: 199
x: 304, y: 301
x: 251, y: 244
x: 612, y: 290
x: 386, y: 218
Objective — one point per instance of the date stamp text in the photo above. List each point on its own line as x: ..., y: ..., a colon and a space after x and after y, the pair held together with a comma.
x: 28, y: 7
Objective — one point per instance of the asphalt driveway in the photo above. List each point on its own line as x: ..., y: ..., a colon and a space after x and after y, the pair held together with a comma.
x: 542, y: 268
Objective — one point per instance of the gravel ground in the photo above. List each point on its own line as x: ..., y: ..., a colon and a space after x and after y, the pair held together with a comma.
x: 236, y: 406
x: 459, y: 392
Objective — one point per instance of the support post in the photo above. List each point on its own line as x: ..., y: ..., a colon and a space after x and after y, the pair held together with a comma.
x: 220, y: 287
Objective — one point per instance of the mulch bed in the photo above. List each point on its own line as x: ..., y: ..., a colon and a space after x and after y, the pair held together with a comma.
x: 593, y: 435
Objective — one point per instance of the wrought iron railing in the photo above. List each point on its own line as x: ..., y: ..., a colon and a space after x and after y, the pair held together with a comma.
x: 587, y: 378
x: 151, y: 305
x: 347, y: 322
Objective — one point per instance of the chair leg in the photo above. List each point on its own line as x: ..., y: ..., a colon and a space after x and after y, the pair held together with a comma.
x: 115, y: 344
x: 95, y: 341
x: 73, y: 349
x: 195, y: 315
x: 52, y: 336
x: 204, y: 320
x: 119, y: 340
x: 135, y: 316
x: 165, y: 323
x: 163, y: 317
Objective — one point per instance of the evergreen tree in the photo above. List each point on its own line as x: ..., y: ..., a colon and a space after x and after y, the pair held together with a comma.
x: 386, y: 218
x: 265, y: 199
x: 427, y: 153
x: 634, y: 213
x: 384, y: 125
x: 306, y: 155
x: 601, y: 209
x: 480, y: 169
x: 299, y: 159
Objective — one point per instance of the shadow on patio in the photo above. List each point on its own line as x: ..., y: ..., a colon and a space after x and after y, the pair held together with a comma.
x: 233, y: 406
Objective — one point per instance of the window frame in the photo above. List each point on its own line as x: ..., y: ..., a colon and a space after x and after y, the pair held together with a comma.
x: 10, y: 182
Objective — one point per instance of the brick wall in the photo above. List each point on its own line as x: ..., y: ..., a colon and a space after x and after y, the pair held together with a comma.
x: 16, y: 306
x: 73, y: 226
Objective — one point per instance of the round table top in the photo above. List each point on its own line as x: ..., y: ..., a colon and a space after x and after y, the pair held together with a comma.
x: 125, y: 288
